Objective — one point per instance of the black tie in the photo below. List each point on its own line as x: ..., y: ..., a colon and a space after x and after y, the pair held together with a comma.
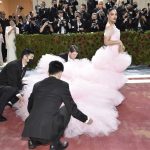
x: 23, y: 72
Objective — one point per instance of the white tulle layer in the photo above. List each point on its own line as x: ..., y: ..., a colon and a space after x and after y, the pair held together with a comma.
x: 94, y: 86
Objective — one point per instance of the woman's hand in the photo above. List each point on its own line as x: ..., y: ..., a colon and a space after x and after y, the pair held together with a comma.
x: 121, y: 47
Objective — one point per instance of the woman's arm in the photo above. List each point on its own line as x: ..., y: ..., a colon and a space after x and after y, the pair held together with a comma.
x: 107, y: 37
x: 9, y: 30
x: 107, y: 41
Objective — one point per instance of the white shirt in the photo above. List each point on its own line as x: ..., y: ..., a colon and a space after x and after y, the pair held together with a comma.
x: 69, y: 59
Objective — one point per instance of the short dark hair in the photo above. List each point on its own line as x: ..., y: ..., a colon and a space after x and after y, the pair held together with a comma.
x: 60, y: 11
x: 84, y: 5
x: 55, y: 67
x: 73, y: 48
x: 27, y: 51
x: 110, y: 9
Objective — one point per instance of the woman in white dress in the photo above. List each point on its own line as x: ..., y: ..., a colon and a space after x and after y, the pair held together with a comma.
x: 10, y: 36
x: 1, y: 41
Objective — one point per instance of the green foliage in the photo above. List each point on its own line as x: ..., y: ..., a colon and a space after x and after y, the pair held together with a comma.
x: 137, y: 44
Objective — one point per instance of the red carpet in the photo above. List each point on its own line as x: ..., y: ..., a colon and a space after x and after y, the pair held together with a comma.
x: 133, y: 132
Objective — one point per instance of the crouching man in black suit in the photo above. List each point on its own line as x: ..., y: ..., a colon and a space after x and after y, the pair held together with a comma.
x: 11, y: 80
x: 71, y: 55
x: 47, y: 120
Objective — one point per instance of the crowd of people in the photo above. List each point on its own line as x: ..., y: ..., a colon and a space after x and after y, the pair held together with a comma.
x: 66, y: 16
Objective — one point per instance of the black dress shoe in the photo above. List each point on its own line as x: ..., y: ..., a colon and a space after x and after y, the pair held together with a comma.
x: 59, y: 146
x: 2, y: 119
x: 31, y: 144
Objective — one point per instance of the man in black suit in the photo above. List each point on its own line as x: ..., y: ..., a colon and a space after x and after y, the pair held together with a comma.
x: 53, y: 11
x: 71, y: 55
x: 4, y: 23
x: 47, y: 120
x: 11, y: 80
x: 43, y: 11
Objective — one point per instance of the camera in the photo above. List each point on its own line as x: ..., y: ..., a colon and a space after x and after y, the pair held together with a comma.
x: 130, y: 14
x: 100, y: 12
x: 62, y: 22
x: 49, y: 22
x: 94, y: 24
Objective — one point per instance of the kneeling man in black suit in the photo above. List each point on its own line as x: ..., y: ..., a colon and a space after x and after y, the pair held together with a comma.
x: 11, y: 80
x: 71, y: 55
x: 47, y: 120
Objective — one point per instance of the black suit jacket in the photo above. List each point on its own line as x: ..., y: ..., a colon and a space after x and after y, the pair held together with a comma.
x: 31, y: 28
x: 45, y: 121
x: 64, y: 56
x: 12, y: 74
x: 3, y: 24
x: 52, y: 13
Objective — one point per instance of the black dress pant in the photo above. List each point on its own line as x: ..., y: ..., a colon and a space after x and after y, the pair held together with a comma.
x: 6, y: 94
x: 4, y: 51
x: 63, y: 111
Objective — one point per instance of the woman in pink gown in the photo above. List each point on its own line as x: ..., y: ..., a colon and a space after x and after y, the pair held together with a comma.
x: 94, y: 84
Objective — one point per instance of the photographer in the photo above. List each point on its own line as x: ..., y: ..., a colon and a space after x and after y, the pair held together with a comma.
x: 43, y: 11
x: 85, y: 16
x: 142, y: 20
x: 130, y: 19
x: 91, y: 5
x: 71, y: 13
x: 31, y: 27
x: 60, y: 4
x: 110, y: 4
x: 100, y: 8
x: 94, y: 23
x: 121, y: 10
x: 148, y: 16
x: 66, y: 10
x: 73, y: 3
x: 78, y: 24
x: 53, y: 11
x: 46, y: 27
x: 20, y: 24
x: 61, y: 23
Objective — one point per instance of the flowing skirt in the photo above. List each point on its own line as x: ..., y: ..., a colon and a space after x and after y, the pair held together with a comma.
x: 94, y: 86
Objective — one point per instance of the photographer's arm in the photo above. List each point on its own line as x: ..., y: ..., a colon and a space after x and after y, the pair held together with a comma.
x: 51, y: 28
x: 42, y: 28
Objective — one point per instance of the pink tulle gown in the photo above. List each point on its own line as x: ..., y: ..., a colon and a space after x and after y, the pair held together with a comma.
x: 94, y: 86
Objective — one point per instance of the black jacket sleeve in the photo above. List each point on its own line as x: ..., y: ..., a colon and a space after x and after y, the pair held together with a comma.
x: 31, y: 99
x: 13, y: 77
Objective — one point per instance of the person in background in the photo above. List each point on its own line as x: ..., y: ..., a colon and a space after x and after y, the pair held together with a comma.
x: 46, y: 27
x: 10, y: 36
x: 1, y: 41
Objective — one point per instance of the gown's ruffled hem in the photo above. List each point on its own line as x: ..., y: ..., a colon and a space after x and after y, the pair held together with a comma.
x: 94, y: 87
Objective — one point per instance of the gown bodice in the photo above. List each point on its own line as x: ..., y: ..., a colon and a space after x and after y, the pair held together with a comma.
x: 113, y: 32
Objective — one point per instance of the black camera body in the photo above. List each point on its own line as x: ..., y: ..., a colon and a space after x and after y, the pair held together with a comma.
x: 50, y: 22
x: 94, y: 24
x: 62, y: 22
